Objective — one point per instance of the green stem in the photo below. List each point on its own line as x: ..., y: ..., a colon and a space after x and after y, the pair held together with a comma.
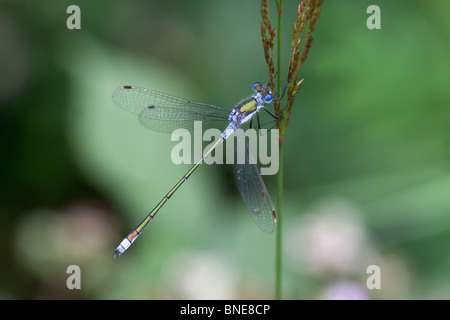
x: 278, y: 258
x: 278, y: 255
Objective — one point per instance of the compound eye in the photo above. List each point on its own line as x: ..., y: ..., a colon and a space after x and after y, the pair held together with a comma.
x: 268, y: 98
x: 256, y: 87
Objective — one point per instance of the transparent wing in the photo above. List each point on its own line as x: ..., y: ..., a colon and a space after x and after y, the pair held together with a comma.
x: 254, y: 192
x: 162, y: 112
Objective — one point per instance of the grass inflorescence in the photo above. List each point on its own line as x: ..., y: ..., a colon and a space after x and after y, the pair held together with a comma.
x: 307, y: 14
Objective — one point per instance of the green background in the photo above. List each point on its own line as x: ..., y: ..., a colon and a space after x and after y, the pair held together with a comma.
x: 367, y: 156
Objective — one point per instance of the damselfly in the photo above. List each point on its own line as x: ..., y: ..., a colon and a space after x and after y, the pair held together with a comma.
x: 162, y: 112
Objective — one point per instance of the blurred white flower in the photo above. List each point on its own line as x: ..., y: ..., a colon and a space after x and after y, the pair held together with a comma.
x: 48, y: 240
x: 344, y: 290
x: 201, y: 275
x: 330, y: 239
x: 86, y: 230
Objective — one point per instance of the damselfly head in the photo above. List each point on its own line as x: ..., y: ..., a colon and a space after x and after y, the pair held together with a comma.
x: 268, y: 98
x: 265, y: 94
x: 256, y: 87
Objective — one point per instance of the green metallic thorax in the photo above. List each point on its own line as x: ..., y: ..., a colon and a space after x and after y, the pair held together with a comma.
x: 247, y: 105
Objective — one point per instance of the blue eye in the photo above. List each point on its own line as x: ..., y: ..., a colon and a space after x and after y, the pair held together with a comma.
x: 255, y: 86
x: 268, y: 98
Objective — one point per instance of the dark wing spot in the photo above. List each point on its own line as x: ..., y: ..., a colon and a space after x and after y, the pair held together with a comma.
x: 274, y: 213
x: 127, y: 87
x: 150, y: 107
